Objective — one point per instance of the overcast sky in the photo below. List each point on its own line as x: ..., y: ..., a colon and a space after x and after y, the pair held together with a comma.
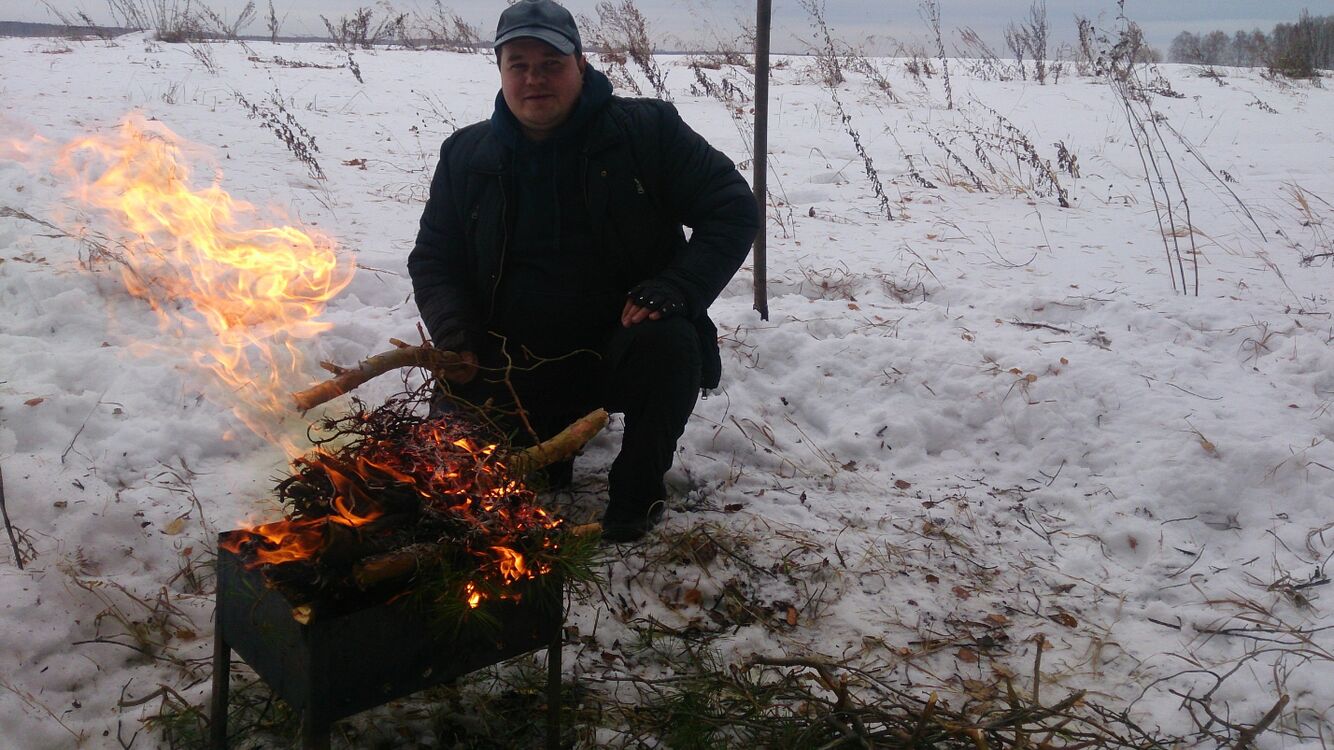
x: 674, y: 20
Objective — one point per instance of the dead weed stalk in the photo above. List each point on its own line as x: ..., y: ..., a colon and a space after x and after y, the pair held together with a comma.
x: 621, y: 33
x: 929, y: 10
x: 274, y: 117
x: 1310, y: 216
x: 827, y: 59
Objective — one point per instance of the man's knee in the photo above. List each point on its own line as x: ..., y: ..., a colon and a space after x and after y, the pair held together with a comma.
x: 668, y: 342
x: 657, y: 361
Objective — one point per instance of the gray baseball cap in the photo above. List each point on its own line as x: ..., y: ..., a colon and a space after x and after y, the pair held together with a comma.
x: 539, y: 19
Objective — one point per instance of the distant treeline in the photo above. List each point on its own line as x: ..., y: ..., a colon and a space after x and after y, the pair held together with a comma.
x: 84, y: 31
x: 24, y: 28
x: 1297, y: 50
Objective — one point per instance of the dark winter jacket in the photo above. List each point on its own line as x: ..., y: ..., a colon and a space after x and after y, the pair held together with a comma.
x: 644, y: 175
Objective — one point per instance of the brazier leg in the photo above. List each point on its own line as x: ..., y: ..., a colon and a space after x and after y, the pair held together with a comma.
x: 222, y: 671
x: 553, y: 690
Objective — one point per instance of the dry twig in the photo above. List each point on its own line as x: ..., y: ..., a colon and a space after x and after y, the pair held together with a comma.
x: 9, y: 528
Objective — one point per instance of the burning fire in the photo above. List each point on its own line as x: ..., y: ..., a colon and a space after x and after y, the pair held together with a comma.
x: 426, y: 477
x: 242, y: 290
x: 243, y: 293
x: 286, y: 541
x: 512, y: 567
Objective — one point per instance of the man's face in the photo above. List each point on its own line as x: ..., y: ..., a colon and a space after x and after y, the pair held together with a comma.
x: 540, y: 85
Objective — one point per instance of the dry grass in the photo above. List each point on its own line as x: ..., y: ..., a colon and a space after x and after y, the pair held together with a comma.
x: 620, y: 31
x: 1311, y: 210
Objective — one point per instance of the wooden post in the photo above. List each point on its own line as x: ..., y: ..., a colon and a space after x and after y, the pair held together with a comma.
x: 763, y: 23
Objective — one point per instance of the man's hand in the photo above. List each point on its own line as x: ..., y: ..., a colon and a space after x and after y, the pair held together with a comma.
x: 633, y: 314
x: 461, y: 342
x: 651, y: 300
x: 468, y: 370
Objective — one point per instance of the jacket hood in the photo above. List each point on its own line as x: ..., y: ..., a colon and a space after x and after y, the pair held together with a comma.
x: 595, y: 94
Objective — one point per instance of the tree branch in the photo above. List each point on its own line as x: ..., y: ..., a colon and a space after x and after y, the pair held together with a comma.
x: 443, y: 364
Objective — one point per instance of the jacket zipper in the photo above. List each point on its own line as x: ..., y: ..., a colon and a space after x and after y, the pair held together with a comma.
x: 504, y: 244
x: 583, y: 179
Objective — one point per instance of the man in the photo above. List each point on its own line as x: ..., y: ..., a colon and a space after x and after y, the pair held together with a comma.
x: 552, y: 253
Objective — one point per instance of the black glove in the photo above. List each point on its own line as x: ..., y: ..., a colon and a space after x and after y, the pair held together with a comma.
x: 658, y: 296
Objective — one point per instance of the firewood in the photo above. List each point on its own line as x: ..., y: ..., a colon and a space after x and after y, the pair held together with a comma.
x: 586, y: 529
x: 390, y: 566
x: 443, y: 364
x: 404, y: 562
x: 559, y: 448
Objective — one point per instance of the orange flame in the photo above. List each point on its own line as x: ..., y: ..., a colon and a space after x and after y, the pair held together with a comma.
x: 512, y: 567
x: 282, y: 541
x: 254, y: 287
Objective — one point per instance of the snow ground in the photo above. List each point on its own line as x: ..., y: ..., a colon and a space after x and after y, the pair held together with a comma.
x: 986, y: 419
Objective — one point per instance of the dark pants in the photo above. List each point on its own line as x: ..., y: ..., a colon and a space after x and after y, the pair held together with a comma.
x: 650, y: 372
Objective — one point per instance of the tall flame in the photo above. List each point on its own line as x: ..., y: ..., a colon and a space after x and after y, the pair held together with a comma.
x: 252, y: 286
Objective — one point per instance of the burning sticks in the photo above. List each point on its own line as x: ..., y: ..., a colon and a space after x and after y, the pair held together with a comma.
x: 393, y: 498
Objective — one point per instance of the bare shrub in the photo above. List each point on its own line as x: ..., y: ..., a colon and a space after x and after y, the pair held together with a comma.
x: 1087, y: 55
x: 1014, y: 40
x: 725, y: 89
x: 204, y: 54
x: 171, y: 20
x: 990, y: 153
x: 274, y: 25
x: 215, y: 25
x: 1036, y: 33
x: 734, y: 50
x: 363, y: 30
x: 973, y: 181
x: 179, y: 21
x: 917, y: 63
x: 1057, y: 66
x: 860, y: 63
x: 442, y: 28
x: 1029, y: 39
x: 621, y: 33
x: 1115, y: 55
x: 982, y: 61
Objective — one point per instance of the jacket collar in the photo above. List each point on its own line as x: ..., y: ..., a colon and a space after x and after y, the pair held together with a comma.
x: 585, y: 123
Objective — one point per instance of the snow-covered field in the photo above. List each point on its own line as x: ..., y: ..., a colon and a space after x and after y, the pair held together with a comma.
x: 987, y: 419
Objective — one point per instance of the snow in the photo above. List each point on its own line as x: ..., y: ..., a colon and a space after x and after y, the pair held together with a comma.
x: 987, y: 406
